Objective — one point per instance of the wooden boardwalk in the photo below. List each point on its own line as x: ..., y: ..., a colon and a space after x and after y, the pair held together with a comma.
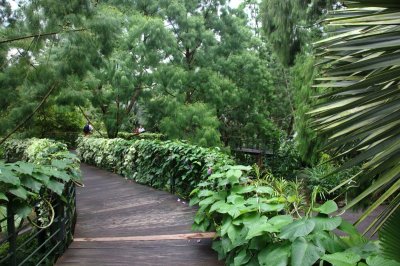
x: 123, y: 223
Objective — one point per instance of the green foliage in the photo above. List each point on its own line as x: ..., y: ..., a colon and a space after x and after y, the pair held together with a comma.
x: 358, y: 109
x: 44, y: 167
x: 288, y: 24
x: 196, y: 123
x: 321, y: 176
x: 286, y: 161
x: 144, y: 135
x: 257, y: 223
x: 389, y: 236
x: 153, y: 162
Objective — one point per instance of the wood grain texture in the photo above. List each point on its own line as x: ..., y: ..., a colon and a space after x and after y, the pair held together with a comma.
x: 153, y: 226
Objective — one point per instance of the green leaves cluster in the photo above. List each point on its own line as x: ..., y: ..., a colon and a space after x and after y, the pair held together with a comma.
x: 154, y: 162
x: 45, y: 167
x: 257, y: 223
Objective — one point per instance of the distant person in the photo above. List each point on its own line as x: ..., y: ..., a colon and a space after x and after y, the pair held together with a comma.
x: 87, y: 129
x: 141, y: 129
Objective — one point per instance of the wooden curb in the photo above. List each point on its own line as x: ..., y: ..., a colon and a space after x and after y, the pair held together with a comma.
x: 148, y: 238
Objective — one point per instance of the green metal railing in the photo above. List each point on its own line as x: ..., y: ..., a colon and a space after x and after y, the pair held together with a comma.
x: 22, y: 243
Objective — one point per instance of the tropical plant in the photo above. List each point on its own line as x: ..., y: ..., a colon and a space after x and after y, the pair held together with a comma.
x: 43, y: 167
x: 359, y: 111
x: 267, y: 222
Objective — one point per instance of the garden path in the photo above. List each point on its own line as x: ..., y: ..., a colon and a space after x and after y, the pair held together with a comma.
x: 121, y: 222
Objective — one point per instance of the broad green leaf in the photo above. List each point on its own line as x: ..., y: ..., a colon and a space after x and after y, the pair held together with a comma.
x: 205, y: 193
x: 25, y: 168
x: 55, y: 186
x: 327, y: 208
x: 60, y: 164
x: 31, y: 183
x: 220, y: 206
x: 264, y: 190
x: 237, y: 235
x: 20, y: 192
x: 326, y: 223
x: 242, y: 189
x: 8, y: 177
x: 296, y: 229
x: 226, y: 224
x: 348, y: 228
x: 277, y: 255
x: 342, y: 258
x: 242, y: 258
x: 305, y: 253
x: 265, y: 207
x: 258, y: 227
x: 379, y: 261
x: 329, y: 241
x: 280, y: 221
x: 23, y: 211
x: 3, y: 197
x: 235, y: 199
x: 41, y: 177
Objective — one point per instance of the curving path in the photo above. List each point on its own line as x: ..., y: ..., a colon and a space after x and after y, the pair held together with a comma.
x: 121, y: 222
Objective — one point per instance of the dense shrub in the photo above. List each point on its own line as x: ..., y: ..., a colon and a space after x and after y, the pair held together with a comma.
x: 154, y: 162
x: 324, y: 176
x: 267, y: 222
x: 31, y: 150
x: 145, y: 135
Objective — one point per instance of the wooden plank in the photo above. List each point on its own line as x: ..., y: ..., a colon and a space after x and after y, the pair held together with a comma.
x: 148, y: 238
x: 167, y: 252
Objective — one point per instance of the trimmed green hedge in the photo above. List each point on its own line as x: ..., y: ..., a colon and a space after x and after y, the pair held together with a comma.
x: 144, y: 135
x: 154, y: 162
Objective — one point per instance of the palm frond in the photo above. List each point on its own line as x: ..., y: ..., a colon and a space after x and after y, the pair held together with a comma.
x: 359, y: 111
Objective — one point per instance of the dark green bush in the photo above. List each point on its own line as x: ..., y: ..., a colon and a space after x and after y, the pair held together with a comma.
x: 154, y: 162
x: 144, y: 135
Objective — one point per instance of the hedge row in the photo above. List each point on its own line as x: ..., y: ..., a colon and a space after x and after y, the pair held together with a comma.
x: 154, y: 162
x: 145, y: 135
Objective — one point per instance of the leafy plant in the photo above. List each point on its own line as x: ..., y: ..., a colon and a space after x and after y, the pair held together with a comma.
x: 320, y: 176
x: 261, y: 224
x: 48, y: 166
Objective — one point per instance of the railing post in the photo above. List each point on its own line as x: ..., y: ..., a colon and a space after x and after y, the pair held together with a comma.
x: 60, y: 222
x: 172, y: 182
x: 12, y: 238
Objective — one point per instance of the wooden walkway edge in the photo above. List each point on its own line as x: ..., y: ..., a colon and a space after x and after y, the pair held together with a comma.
x: 123, y: 223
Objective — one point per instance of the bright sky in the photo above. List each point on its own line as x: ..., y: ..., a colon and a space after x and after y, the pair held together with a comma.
x: 235, y: 3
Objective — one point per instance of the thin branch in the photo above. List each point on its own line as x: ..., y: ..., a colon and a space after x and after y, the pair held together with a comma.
x: 39, y: 35
x: 30, y: 116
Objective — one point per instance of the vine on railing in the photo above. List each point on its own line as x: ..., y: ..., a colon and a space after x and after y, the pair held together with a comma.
x: 37, y: 201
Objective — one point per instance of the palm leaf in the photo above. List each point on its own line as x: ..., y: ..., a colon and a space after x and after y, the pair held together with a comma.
x: 359, y: 110
x: 389, y: 236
